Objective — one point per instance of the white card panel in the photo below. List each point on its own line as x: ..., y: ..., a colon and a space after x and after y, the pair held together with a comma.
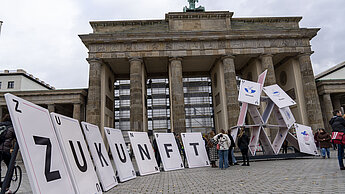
x: 169, y: 151
x: 254, y: 139
x: 39, y: 147
x: 100, y: 156
x: 279, y: 139
x: 249, y: 92
x: 143, y: 152
x: 288, y: 117
x: 266, y: 142
x: 120, y: 154
x: 306, y: 139
x: 76, y: 154
x: 278, y: 96
x: 195, y: 150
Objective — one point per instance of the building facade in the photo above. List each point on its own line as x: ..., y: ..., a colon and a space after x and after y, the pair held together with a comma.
x: 212, y: 46
x: 24, y: 85
x: 331, y: 89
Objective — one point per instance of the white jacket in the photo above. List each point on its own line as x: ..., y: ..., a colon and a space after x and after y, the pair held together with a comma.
x: 223, y: 140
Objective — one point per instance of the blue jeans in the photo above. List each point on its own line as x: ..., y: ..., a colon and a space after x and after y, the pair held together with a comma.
x: 233, y: 156
x: 323, y: 152
x: 341, y: 155
x: 223, y: 158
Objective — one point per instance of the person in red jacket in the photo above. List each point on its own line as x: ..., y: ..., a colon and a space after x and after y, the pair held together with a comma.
x: 338, y: 125
x: 325, y: 142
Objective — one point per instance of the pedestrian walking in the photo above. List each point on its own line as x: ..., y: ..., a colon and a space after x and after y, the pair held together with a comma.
x: 223, y: 145
x: 338, y: 125
x: 212, y: 150
x: 243, y: 142
x: 325, y: 142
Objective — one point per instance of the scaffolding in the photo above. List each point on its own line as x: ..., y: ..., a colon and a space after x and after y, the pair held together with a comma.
x: 197, y: 97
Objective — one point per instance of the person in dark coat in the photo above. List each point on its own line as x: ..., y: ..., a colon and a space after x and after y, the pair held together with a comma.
x: 338, y: 125
x: 325, y: 142
x: 243, y: 143
x: 7, y: 141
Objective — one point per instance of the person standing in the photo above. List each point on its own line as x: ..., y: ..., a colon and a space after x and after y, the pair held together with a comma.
x: 6, y: 141
x: 223, y: 149
x: 285, y: 146
x: 338, y: 125
x: 212, y: 150
x: 243, y: 143
x: 325, y: 142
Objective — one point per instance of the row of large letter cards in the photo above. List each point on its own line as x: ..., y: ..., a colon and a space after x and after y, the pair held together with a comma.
x: 57, y: 160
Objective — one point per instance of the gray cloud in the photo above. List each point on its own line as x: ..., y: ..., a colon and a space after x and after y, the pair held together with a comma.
x: 42, y: 36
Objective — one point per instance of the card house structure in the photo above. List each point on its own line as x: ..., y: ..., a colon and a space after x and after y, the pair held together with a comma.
x: 278, y: 103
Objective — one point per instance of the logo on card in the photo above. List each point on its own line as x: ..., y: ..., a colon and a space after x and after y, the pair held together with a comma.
x: 276, y: 93
x: 249, y: 91
x: 306, y: 136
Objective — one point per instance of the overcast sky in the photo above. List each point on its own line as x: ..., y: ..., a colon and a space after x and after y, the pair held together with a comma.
x: 41, y: 36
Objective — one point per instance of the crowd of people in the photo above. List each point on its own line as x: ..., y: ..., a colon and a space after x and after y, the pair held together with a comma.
x: 221, y: 146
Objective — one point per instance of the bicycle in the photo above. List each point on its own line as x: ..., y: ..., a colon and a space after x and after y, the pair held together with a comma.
x: 16, y: 178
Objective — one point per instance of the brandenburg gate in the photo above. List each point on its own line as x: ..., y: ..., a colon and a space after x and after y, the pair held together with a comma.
x: 213, y: 44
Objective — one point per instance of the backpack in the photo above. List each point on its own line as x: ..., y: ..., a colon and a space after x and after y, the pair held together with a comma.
x: 3, y: 132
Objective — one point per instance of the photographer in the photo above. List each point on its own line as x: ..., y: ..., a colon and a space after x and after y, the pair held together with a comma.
x: 223, y: 145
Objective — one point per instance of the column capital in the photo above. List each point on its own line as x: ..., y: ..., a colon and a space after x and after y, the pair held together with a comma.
x: 175, y: 59
x: 140, y: 59
x: 302, y: 54
x: 233, y: 56
x: 266, y: 55
x: 94, y: 60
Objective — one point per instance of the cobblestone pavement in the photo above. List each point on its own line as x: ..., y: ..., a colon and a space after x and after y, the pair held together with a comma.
x: 309, y: 175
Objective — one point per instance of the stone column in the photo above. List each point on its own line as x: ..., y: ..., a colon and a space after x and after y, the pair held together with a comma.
x: 93, y: 108
x: 177, y: 109
x: 137, y: 99
x: 267, y: 63
x: 77, y: 111
x: 327, y: 108
x: 310, y: 93
x: 336, y: 103
x: 51, y: 107
x: 231, y: 90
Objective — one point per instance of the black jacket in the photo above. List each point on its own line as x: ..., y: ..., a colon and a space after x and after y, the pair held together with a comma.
x: 338, y: 124
x: 9, y: 137
x: 232, y: 141
x: 243, y: 142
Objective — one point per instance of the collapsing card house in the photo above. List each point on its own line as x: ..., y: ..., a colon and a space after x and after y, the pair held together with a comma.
x: 277, y: 102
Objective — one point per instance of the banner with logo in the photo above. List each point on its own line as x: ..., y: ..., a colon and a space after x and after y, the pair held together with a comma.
x: 305, y: 139
x: 278, y: 96
x: 169, y: 152
x: 76, y: 154
x: 122, y: 160
x: 100, y: 156
x: 195, y: 150
x: 143, y: 152
x: 39, y: 147
x: 249, y: 92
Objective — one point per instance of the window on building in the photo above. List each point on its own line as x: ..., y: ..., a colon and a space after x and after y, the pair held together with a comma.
x: 10, y: 85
